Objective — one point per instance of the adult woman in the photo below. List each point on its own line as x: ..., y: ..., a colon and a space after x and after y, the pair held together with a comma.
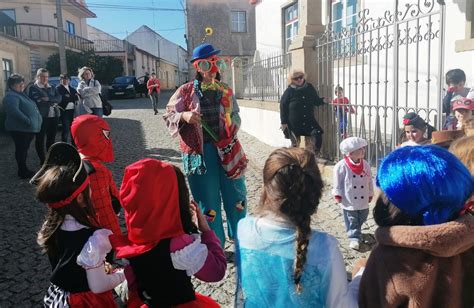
x: 424, y: 255
x: 297, y: 112
x: 416, y: 131
x: 23, y: 121
x: 47, y: 100
x: 204, y: 113
x: 281, y: 261
x: 89, y: 91
x: 68, y: 102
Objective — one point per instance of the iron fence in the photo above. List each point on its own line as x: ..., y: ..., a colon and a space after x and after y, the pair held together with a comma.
x: 266, y: 79
x: 387, y: 65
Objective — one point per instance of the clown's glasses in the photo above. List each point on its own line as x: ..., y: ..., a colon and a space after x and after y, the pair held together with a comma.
x: 205, y: 65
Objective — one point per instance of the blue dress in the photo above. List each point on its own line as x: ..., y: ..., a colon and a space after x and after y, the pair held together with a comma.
x: 265, y: 257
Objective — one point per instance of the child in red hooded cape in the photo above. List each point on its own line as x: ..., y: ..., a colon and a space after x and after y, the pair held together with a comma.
x: 163, y: 245
x: 91, y: 135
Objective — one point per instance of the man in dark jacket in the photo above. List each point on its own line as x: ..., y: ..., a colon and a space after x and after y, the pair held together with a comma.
x: 47, y: 99
x: 69, y: 98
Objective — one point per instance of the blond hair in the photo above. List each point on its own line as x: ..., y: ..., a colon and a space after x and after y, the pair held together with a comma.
x: 82, y: 70
x: 463, y: 148
x: 295, y: 73
x: 468, y: 127
x: 41, y: 71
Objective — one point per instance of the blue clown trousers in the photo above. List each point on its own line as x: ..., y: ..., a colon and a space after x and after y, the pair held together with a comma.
x: 210, y: 188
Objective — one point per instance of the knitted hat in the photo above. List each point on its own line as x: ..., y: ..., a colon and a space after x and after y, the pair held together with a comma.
x: 425, y: 182
x: 204, y: 51
x: 463, y: 103
x: 415, y: 120
x: 150, y: 198
x: 76, y: 179
x: 352, y: 144
x: 91, y: 135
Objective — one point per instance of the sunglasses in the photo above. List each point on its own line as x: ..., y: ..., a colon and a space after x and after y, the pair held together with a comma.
x: 206, y: 65
x: 298, y: 78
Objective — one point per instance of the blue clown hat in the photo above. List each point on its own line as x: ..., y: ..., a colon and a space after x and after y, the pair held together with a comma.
x: 204, y: 51
x: 425, y: 182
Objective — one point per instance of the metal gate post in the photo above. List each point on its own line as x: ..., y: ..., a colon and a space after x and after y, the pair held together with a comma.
x: 442, y: 20
x: 395, y: 76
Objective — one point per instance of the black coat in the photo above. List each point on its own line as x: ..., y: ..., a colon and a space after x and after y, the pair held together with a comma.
x: 297, y: 109
x: 67, y: 97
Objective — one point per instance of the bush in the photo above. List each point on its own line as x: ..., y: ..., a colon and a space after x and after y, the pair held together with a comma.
x: 105, y: 68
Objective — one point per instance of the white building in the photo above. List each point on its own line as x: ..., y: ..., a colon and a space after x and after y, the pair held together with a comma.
x: 171, y: 56
x: 364, y: 62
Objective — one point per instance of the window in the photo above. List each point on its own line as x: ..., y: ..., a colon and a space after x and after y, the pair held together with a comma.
x: 291, y: 24
x: 70, y: 27
x: 239, y: 21
x: 9, y: 14
x: 344, y: 15
x: 7, y: 70
x: 8, y: 22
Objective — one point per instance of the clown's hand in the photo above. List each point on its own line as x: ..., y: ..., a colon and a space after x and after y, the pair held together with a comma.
x: 191, y: 117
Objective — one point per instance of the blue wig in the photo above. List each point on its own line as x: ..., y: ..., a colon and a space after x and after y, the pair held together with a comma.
x: 425, y: 182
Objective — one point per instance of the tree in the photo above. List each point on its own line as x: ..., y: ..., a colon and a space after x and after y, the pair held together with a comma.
x: 105, y: 68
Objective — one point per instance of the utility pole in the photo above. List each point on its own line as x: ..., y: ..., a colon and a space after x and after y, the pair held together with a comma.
x: 61, y: 43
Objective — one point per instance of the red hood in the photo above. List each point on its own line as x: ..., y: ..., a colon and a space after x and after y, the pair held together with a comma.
x: 91, y: 135
x: 150, y: 198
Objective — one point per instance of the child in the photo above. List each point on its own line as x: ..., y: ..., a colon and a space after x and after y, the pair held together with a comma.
x: 91, y: 134
x: 70, y: 236
x: 353, y: 188
x: 271, y: 272
x: 425, y: 248
x: 456, y: 80
x: 415, y: 130
x: 163, y: 244
x: 342, y: 111
x: 463, y: 108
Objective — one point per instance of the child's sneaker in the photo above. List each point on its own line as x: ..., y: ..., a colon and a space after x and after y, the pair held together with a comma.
x: 354, y: 245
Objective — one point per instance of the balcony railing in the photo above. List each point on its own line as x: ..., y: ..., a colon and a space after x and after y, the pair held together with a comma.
x: 113, y: 46
x: 44, y: 33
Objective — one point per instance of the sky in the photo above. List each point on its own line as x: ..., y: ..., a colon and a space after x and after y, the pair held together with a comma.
x: 119, y: 17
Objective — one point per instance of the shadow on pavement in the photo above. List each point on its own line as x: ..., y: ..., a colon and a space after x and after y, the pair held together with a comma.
x: 129, y: 145
x: 170, y: 155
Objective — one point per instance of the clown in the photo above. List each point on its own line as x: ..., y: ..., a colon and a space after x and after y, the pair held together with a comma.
x: 204, y: 113
x: 91, y: 135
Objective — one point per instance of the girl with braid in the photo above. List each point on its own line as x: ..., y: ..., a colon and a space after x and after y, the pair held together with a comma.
x: 281, y: 260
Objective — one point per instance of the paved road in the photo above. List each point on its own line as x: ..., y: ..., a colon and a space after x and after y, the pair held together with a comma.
x: 136, y: 133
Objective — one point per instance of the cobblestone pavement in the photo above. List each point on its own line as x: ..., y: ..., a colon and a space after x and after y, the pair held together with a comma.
x: 136, y: 133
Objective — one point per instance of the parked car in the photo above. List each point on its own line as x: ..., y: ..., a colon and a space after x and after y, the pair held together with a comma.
x: 126, y: 86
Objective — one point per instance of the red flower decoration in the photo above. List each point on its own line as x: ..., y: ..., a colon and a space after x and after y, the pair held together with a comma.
x: 406, y: 121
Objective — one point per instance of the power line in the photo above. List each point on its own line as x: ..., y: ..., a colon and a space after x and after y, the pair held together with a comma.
x: 99, y: 6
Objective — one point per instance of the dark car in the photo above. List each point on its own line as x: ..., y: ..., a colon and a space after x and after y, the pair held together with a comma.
x: 126, y: 86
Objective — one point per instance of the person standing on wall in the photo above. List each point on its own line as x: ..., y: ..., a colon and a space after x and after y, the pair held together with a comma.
x: 154, y: 88
x: 47, y: 99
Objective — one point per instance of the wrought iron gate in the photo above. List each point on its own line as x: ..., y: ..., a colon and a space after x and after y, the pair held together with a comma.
x: 387, y: 65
